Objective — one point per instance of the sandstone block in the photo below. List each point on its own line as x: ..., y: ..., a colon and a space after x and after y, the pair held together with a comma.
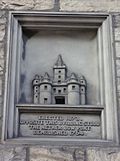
x: 89, y: 5
x: 42, y: 4
x: 26, y: 4
x: 1, y: 66
x: 118, y: 84
x: 12, y: 154
x: 43, y: 154
x: 0, y: 87
x: 17, y: 4
x: 116, y: 19
x: 2, y: 17
x: 55, y: 154
x: 1, y: 50
x: 118, y: 67
x: 117, y: 47
x: 2, y: 32
x: 103, y: 154
x: 117, y: 34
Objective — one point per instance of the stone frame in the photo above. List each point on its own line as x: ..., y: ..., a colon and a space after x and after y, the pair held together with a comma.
x: 33, y: 20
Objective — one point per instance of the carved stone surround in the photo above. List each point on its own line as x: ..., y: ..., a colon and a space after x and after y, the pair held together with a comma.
x: 106, y: 110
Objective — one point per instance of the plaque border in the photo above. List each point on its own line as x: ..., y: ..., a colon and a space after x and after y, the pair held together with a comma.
x: 34, y: 20
x: 61, y: 109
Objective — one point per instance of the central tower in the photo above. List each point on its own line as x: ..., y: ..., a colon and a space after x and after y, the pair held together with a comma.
x: 59, y: 70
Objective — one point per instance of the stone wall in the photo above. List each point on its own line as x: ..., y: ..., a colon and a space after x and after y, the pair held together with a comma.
x: 3, y: 23
x: 64, y: 153
x: 61, y: 153
x: 90, y: 5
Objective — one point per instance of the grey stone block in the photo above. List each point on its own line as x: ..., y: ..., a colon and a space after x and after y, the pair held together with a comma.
x: 26, y: 4
x: 117, y: 47
x: 117, y: 33
x: 116, y: 19
x: 12, y: 153
x: 89, y: 5
x: 56, y: 154
x: 118, y: 84
x: 103, y: 154
x: 118, y: 67
x: 2, y: 32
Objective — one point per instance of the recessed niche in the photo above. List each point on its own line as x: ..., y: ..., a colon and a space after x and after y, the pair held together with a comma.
x: 79, y: 50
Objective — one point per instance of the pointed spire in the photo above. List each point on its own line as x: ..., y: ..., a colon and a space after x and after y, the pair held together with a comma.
x: 73, y: 76
x: 82, y: 78
x: 59, y: 61
x: 46, y: 76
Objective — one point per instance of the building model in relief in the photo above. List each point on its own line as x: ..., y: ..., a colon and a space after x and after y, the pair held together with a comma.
x: 59, y: 88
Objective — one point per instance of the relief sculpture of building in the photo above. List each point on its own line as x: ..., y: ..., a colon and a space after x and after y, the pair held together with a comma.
x: 59, y: 88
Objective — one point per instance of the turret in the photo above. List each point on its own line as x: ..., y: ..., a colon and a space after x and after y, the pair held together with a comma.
x: 46, y: 90
x: 82, y: 90
x: 36, y: 83
x: 73, y: 90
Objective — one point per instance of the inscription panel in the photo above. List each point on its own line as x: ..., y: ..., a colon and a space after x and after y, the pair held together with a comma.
x: 60, y: 125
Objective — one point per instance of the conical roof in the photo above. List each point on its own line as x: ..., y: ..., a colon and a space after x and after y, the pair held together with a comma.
x: 59, y: 61
x: 73, y: 79
x: 82, y: 78
x: 46, y: 76
x: 73, y: 76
